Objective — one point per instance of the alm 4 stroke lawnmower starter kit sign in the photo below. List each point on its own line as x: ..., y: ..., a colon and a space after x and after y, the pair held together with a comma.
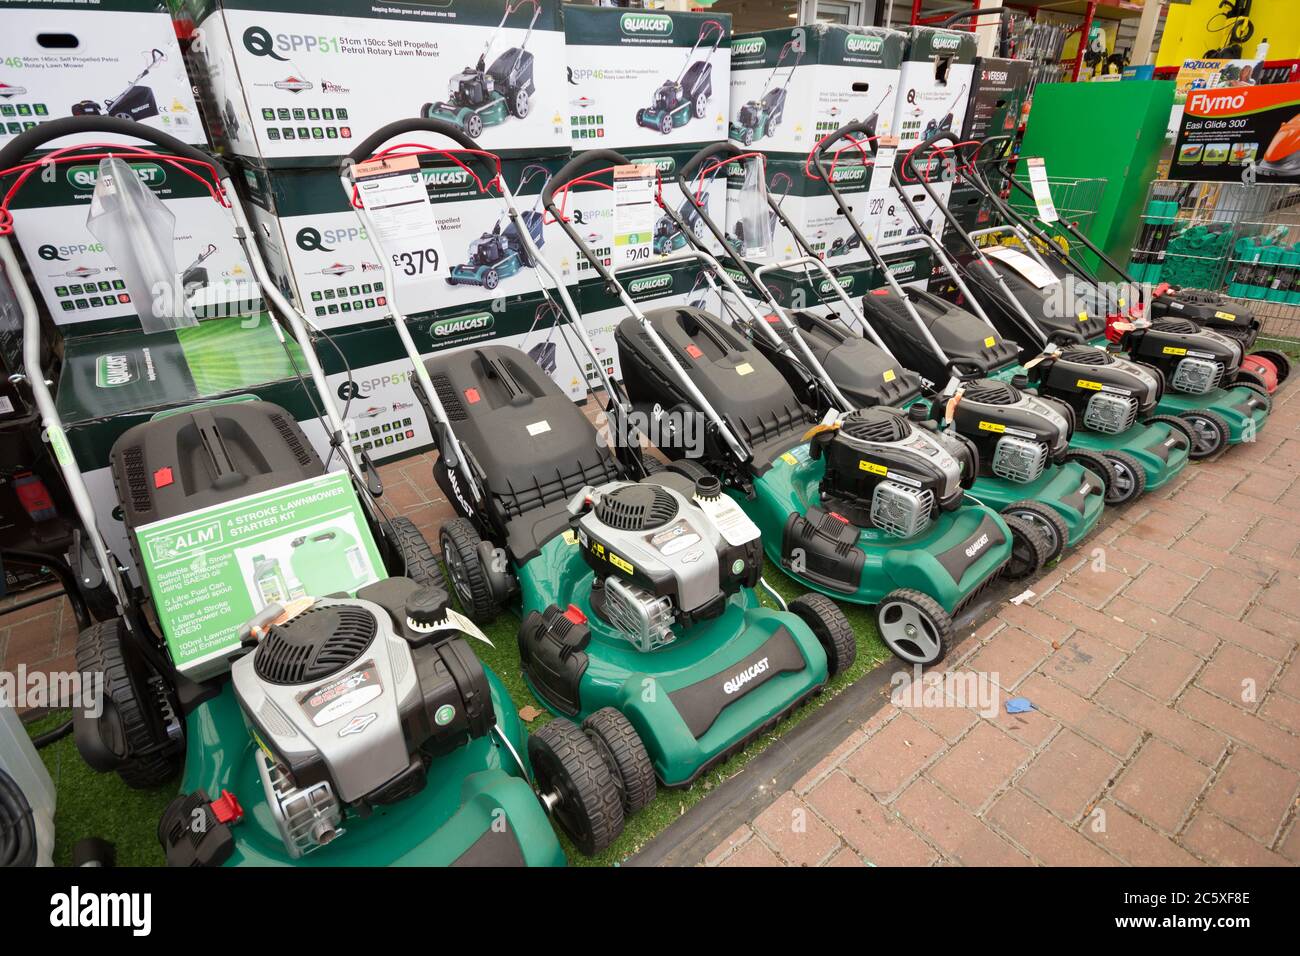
x: 212, y: 570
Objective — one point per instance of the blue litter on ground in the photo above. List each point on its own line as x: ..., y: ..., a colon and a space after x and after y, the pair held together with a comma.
x: 1018, y: 705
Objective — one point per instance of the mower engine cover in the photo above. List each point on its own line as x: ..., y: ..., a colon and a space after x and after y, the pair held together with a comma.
x: 488, y: 249
x: 1208, y: 308
x: 885, y: 471
x: 1193, y: 359
x: 349, y: 699
x: 1016, y: 434
x: 1108, y: 394
x: 654, y: 547
x: 470, y: 88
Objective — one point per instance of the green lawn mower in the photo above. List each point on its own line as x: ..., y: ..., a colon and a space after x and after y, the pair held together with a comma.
x: 677, y: 101
x: 501, y: 253
x: 671, y: 231
x: 863, y: 505
x: 758, y: 118
x: 351, y: 727
x: 485, y: 95
x: 635, y: 587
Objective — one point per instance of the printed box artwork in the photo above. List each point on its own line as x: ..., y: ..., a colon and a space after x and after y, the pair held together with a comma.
x: 934, y: 84
x: 1240, y: 133
x: 211, y: 570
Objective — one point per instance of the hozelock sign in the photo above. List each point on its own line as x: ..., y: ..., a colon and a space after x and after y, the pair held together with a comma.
x: 210, y: 571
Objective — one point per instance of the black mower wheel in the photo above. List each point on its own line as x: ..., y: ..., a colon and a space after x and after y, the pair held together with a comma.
x: 1280, y: 362
x: 747, y: 136
x: 102, y: 649
x: 418, y: 560
x: 914, y: 626
x: 575, y: 781
x: 520, y: 103
x: 1259, y: 389
x: 1173, y: 421
x: 1048, y: 522
x: 629, y: 764
x: 491, y: 279
x: 1096, y: 463
x: 700, y: 106
x: 831, y: 628
x: 473, y: 126
x: 1209, y: 433
x: 1029, y: 548
x: 459, y: 541
x: 666, y: 123
x: 1130, y: 479
x: 1245, y: 376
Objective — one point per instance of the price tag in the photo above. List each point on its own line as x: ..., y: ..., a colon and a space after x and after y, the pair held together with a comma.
x: 886, y: 150
x: 394, y: 194
x: 635, y: 212
x: 1031, y: 270
x: 1038, y: 185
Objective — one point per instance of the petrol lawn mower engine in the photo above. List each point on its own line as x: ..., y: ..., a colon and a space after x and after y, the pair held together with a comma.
x: 1016, y: 433
x: 1192, y: 359
x: 349, y: 700
x: 1207, y: 308
x: 1106, y: 393
x: 665, y: 554
x: 887, y: 472
x: 488, y: 249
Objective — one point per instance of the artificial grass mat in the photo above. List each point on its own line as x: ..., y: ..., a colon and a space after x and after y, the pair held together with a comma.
x: 95, y: 804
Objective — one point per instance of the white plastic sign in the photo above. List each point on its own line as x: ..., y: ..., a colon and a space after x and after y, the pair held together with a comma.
x: 1041, y: 189
x: 1030, y: 269
x: 634, y: 213
x: 394, y: 195
x: 886, y: 149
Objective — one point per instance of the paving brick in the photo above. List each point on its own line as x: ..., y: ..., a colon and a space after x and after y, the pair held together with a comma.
x: 980, y: 765
x: 1161, y: 555
x: 957, y: 834
x: 893, y: 755
x: 1203, y: 743
x: 1111, y: 826
x: 33, y: 641
x: 1033, y: 621
x: 1289, y: 682
x: 1228, y: 592
x: 844, y: 857
x: 1117, y: 735
x: 831, y: 760
x: 1215, y: 627
x: 1046, y: 838
x: 1253, y: 795
x: 737, y: 837
x: 1212, y: 839
x: 1161, y: 785
x: 1283, y: 596
x: 1281, y: 711
x: 1068, y: 774
x: 1159, y: 588
x: 1119, y: 633
x: 753, y: 853
x: 1032, y: 728
x: 1083, y: 663
x: 1237, y: 675
x: 1241, y: 726
x: 1150, y: 621
x: 1010, y: 658
x: 1273, y: 634
x: 1220, y: 531
x: 1157, y: 528
x: 798, y: 835
x: 1159, y: 668
x: 1290, y: 847
x: 1093, y: 587
x: 878, y: 834
x: 950, y: 723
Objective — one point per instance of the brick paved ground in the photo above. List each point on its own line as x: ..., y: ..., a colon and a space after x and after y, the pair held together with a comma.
x: 1161, y: 662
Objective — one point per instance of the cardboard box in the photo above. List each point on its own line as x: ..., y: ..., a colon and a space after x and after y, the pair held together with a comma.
x: 934, y: 84
x: 315, y: 243
x: 790, y: 88
x: 812, y: 209
x: 69, y: 59
x: 76, y: 277
x: 298, y: 87
x: 646, y: 78
x: 1000, y: 88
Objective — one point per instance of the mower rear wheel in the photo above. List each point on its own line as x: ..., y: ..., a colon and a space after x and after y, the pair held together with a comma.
x: 1050, y: 524
x: 700, y: 106
x: 914, y: 626
x: 1279, y: 360
x: 1029, y: 548
x: 747, y: 136
x: 460, y: 542
x: 666, y: 123
x: 147, y: 759
x: 1246, y: 376
x: 520, y: 103
x: 418, y: 560
x: 575, y: 783
x: 1130, y: 479
x: 473, y: 126
x: 629, y: 764
x: 1209, y: 432
x: 491, y: 279
x: 1260, y: 390
x: 831, y: 628
x: 1096, y: 463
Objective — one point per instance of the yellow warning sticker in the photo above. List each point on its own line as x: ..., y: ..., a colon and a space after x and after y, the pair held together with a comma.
x: 993, y: 427
x: 1084, y: 383
x: 1226, y: 316
x: 619, y: 563
x: 990, y: 342
x: 744, y: 368
x: 872, y: 467
x: 1083, y: 316
x: 889, y: 375
x: 569, y: 537
x: 1173, y: 350
x: 789, y: 459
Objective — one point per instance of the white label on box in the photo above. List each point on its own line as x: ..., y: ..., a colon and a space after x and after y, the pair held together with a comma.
x: 394, y: 195
x: 635, y: 212
x: 886, y: 150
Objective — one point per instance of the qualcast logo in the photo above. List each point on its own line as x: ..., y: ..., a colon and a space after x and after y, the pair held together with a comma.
x: 114, y: 370
x: 293, y: 84
x: 737, y: 681
x: 846, y: 283
x: 462, y: 325
x: 977, y: 546
x: 85, y: 177
x: 904, y: 268
x: 749, y: 46
x: 650, y: 284
x: 946, y: 41
x: 665, y: 165
x: 863, y: 43
x: 849, y: 174
x: 446, y: 178
x: 646, y: 24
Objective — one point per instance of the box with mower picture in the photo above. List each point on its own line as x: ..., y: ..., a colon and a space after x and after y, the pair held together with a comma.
x: 999, y: 89
x: 934, y: 84
x: 791, y: 87
x: 646, y: 78
x: 316, y: 247
x: 65, y: 58
x: 299, y: 84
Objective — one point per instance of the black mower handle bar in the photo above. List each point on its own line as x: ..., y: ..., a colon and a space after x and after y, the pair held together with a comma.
x: 722, y: 151
x: 25, y: 143
x: 938, y: 136
x: 569, y: 171
x: 1002, y: 14
x: 416, y: 124
x: 843, y: 133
